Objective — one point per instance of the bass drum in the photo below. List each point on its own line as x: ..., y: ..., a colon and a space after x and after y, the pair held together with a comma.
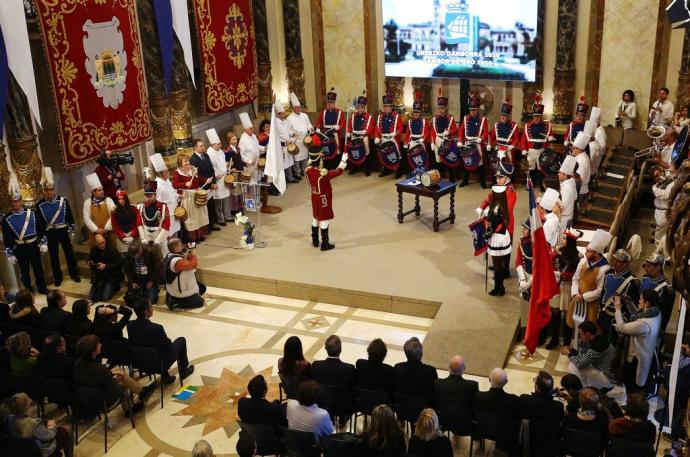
x: 331, y: 150
x: 448, y: 153
x: 357, y: 152
x: 418, y: 158
x: 389, y: 155
x: 549, y: 162
x: 471, y: 157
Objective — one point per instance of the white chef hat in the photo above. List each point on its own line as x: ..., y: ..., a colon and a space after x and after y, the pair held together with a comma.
x: 47, y: 180
x: 590, y: 128
x: 581, y: 141
x: 212, y: 136
x: 280, y: 108
x: 595, y: 114
x: 158, y: 163
x: 568, y: 165
x: 549, y: 199
x: 600, y: 240
x: 246, y: 121
x: 13, y: 187
x: 93, y: 182
x: 294, y: 101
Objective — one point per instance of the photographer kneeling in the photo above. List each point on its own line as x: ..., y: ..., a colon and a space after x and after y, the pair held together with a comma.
x: 183, y: 290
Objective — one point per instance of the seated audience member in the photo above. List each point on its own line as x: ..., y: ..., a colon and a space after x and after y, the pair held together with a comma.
x: 4, y: 307
x: 53, y: 317
x: 332, y: 370
x: 293, y: 363
x: 143, y: 268
x: 643, y: 330
x: 53, y: 361
x: 143, y: 332
x: 23, y: 313
x: 304, y: 415
x: 106, y: 270
x: 113, y: 383
x: 593, y: 359
x: 428, y: 439
x: 456, y: 390
x: 51, y: 439
x: 372, y: 373
x: 246, y: 446
x: 202, y: 449
x: 413, y: 377
x: 81, y: 322
x: 607, y: 405
x: 383, y: 437
x: 107, y: 326
x: 634, y: 426
x: 498, y: 402
x: 589, y: 417
x: 544, y: 414
x: 183, y: 289
x: 569, y: 393
x: 22, y: 355
x: 255, y: 409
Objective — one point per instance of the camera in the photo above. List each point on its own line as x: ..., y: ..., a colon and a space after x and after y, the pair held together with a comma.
x: 123, y: 158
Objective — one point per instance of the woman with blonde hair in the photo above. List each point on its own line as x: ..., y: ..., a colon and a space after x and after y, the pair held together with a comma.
x: 186, y: 181
x: 428, y: 439
x: 23, y: 356
x: 383, y: 437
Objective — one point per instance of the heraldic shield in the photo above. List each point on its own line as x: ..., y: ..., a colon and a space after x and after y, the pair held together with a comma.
x: 357, y: 152
x: 106, y: 60
x: 418, y: 158
x: 331, y: 150
x: 478, y: 231
x: 389, y: 155
x: 448, y: 153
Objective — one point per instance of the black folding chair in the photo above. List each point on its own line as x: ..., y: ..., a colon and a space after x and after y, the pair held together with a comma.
x: 367, y: 400
x: 57, y: 391
x: 339, y: 445
x: 289, y: 385
x: 619, y: 447
x: 581, y: 443
x: 301, y: 444
x: 488, y: 426
x: 29, y: 385
x: 265, y: 436
x: 408, y: 408
x: 337, y: 400
x: 148, y: 362
x: 90, y: 401
x: 118, y: 354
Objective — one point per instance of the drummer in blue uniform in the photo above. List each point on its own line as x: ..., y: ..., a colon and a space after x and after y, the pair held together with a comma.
x: 387, y: 131
x: 360, y: 129
x: 577, y: 125
x: 417, y: 139
x: 56, y: 220
x: 473, y: 134
x: 619, y: 281
x: 504, y: 139
x: 535, y: 139
x: 444, y: 132
x: 331, y: 123
x: 23, y: 241
x: 654, y: 278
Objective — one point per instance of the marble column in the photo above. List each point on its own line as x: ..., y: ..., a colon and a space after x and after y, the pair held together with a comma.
x: 21, y: 139
x: 683, y: 97
x: 294, y: 62
x: 262, y: 56
x: 422, y: 87
x: 395, y: 87
x: 529, y: 90
x: 564, y: 73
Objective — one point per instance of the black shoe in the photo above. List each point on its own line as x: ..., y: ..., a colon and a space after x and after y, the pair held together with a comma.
x: 223, y: 224
x: 58, y: 282
x: 168, y: 379
x: 463, y: 184
x: 293, y: 181
x: 452, y: 177
x: 76, y: 279
x: 398, y: 174
x: 146, y: 392
x: 43, y: 291
x: 483, y: 184
x: 274, y: 192
x: 552, y: 344
x: 214, y: 228
x: 384, y: 172
x: 494, y: 292
x: 187, y: 372
x: 367, y: 173
x: 136, y: 408
x: 352, y: 171
x: 315, y: 237
x: 325, y: 245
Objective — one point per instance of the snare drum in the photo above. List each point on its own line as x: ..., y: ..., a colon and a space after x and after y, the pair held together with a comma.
x: 292, y: 149
x: 245, y: 176
x: 549, y: 162
x: 201, y: 197
x: 231, y: 178
x: 430, y: 178
x: 307, y: 140
x: 180, y: 214
x: 262, y: 162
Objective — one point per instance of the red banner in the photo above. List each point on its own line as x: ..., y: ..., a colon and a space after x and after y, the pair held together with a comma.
x: 95, y: 64
x: 228, y: 53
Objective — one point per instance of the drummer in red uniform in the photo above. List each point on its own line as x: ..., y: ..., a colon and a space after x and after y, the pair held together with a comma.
x: 504, y: 141
x: 577, y: 125
x: 474, y: 132
x: 331, y: 123
x: 321, y: 193
x: 417, y: 139
x: 386, y: 135
x: 359, y: 131
x: 443, y: 127
x: 535, y: 139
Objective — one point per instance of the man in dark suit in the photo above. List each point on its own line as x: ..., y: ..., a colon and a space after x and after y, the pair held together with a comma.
x: 332, y: 370
x: 544, y: 414
x: 256, y: 409
x: 143, y: 332
x: 454, y: 396
x: 413, y: 377
x: 372, y: 373
x: 204, y: 168
x: 53, y: 362
x: 54, y: 318
x: 502, y: 405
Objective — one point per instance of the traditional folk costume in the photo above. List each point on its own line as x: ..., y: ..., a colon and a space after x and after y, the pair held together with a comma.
x: 568, y: 192
x: 155, y: 219
x: 567, y: 261
x: 24, y: 243
x: 623, y: 284
x: 126, y: 221
x: 535, y: 139
x: 474, y: 133
x: 300, y: 128
x: 524, y: 261
x: 661, y: 286
x: 56, y: 220
x: 204, y: 169
x: 444, y: 133
x: 96, y: 212
x: 576, y: 126
x: 360, y: 130
x: 166, y: 193
x: 195, y: 227
x: 321, y: 194
x: 233, y: 157
x: 386, y: 136
x: 504, y: 139
x: 221, y: 198
x: 110, y: 175
x: 331, y: 123
x: 416, y: 140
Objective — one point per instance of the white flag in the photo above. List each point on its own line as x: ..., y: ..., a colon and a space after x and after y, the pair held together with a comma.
x: 274, y: 156
x: 181, y: 25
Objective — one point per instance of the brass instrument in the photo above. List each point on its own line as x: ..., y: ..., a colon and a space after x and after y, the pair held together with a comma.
x: 661, y: 179
x: 656, y: 133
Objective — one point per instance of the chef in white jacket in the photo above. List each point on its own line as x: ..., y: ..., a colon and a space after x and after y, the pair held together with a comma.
x: 599, y: 141
x: 165, y: 193
x: 568, y: 191
x: 552, y: 226
x: 286, y: 138
x: 250, y: 149
x: 221, y: 198
x: 300, y: 127
x: 584, y: 165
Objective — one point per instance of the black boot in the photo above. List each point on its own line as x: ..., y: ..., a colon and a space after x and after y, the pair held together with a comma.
x: 465, y: 178
x: 482, y: 177
x: 555, y: 328
x: 384, y: 172
x: 325, y: 245
x: 315, y: 236
x: 499, y: 289
x: 567, y: 335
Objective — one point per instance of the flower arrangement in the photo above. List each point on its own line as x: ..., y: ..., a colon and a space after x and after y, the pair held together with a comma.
x: 247, y: 238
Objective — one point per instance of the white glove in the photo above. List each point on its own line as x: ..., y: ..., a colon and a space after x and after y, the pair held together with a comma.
x: 318, y: 130
x: 521, y: 273
x: 343, y: 161
x: 438, y: 157
x: 479, y: 212
x: 524, y: 153
x: 406, y: 146
x: 43, y: 248
x: 127, y: 239
x: 460, y: 144
x: 523, y: 285
x: 336, y: 128
x: 489, y: 147
x: 551, y: 138
x: 262, y: 149
x: 566, y: 143
x: 377, y: 140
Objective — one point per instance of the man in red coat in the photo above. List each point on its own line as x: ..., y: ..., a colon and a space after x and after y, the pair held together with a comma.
x: 109, y: 174
x: 321, y: 193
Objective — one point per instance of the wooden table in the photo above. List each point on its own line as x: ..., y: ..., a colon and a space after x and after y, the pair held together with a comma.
x: 414, y: 187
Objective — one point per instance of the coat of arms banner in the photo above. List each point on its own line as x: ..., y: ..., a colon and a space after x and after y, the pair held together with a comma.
x: 96, y: 68
x: 227, y: 46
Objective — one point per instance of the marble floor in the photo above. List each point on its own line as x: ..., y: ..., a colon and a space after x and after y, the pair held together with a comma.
x: 238, y: 334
